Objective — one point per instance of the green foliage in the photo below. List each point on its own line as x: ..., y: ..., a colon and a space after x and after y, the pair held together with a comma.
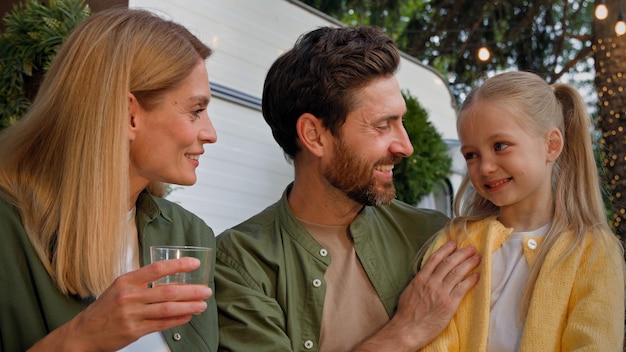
x: 601, y: 154
x: 419, y: 174
x: 33, y: 33
x: 551, y: 37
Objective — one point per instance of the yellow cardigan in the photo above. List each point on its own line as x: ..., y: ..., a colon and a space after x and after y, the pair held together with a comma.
x: 576, y: 306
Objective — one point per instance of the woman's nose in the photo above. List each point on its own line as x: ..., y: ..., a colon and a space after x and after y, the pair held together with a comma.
x: 207, y: 133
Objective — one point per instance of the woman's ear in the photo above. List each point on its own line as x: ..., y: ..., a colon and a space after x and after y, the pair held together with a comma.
x: 311, y: 133
x: 133, y: 111
x: 554, y: 145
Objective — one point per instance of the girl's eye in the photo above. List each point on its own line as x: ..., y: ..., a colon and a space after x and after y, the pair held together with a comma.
x: 469, y: 156
x: 500, y: 146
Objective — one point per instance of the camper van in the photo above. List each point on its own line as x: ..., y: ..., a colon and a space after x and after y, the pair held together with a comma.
x: 245, y: 171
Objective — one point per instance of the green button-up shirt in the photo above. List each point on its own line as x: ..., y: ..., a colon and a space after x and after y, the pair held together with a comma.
x: 270, y: 284
x: 31, y: 306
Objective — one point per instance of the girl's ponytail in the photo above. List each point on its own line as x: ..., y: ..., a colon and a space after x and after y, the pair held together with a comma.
x: 577, y: 184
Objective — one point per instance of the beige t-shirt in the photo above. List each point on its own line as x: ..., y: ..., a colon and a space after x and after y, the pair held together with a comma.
x: 352, y: 309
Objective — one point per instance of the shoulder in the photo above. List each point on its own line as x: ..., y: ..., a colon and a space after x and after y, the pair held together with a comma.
x: 162, y: 219
x: 256, y: 224
x: 255, y: 233
x: 13, y: 232
x: 254, y: 251
x: 8, y: 211
x: 596, y: 251
x: 14, y: 237
x: 603, y: 245
x: 168, y: 207
x: 406, y: 215
x: 593, y: 241
x: 171, y: 211
x: 397, y: 224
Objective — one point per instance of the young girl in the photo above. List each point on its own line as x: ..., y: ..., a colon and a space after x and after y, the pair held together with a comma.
x: 552, y: 272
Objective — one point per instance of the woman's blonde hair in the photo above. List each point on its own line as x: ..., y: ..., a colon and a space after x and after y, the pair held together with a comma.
x: 578, y: 203
x: 65, y: 164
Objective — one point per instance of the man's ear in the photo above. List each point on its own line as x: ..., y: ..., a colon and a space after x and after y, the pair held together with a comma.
x: 133, y: 112
x: 311, y: 133
x: 554, y: 144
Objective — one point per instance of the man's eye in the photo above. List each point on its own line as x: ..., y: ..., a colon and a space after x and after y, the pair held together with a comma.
x: 198, y: 112
x: 383, y: 127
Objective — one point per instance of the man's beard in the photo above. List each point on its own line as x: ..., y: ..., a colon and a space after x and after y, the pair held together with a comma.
x: 354, y: 176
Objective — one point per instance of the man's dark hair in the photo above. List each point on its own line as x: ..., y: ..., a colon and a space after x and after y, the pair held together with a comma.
x: 320, y: 76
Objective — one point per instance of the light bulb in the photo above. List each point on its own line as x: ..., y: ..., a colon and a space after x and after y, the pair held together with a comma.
x: 483, y: 53
x: 601, y: 11
x: 620, y: 25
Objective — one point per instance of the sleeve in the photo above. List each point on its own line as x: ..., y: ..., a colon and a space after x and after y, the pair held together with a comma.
x: 249, y: 318
x: 596, y: 314
x: 446, y: 341
x: 27, y: 293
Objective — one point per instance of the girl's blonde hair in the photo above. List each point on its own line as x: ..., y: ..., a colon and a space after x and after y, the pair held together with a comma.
x: 578, y: 203
x: 65, y: 164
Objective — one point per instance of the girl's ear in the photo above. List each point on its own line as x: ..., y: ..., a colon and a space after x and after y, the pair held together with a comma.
x: 554, y: 145
x: 311, y: 134
x: 133, y: 113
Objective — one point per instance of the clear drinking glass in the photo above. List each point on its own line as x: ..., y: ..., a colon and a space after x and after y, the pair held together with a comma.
x: 199, y: 276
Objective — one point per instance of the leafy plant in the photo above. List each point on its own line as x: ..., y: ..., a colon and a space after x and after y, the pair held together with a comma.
x: 419, y: 174
x: 33, y: 33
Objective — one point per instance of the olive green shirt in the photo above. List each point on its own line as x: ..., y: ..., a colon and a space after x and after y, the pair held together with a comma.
x: 31, y: 306
x: 269, y: 276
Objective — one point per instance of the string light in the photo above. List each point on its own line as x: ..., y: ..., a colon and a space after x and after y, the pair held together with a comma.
x: 601, y: 11
x: 609, y: 94
x: 483, y: 53
x: 620, y: 25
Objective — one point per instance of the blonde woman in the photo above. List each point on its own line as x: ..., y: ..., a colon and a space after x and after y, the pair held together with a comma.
x: 122, y: 109
x: 552, y: 273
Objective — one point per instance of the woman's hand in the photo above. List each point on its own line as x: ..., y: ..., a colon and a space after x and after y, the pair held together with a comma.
x: 128, y: 310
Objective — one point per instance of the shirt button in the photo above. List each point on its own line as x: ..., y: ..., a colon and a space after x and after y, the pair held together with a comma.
x: 176, y: 337
x: 323, y: 252
x: 317, y: 282
x: 308, y: 344
x: 532, y: 244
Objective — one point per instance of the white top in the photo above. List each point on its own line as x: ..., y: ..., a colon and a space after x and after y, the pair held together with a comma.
x: 153, y: 342
x: 509, y: 272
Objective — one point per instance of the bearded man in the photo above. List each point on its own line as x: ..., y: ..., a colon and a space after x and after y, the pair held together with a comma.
x: 328, y: 266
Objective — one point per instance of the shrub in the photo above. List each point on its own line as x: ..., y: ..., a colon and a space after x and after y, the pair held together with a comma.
x: 420, y: 173
x: 33, y: 33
